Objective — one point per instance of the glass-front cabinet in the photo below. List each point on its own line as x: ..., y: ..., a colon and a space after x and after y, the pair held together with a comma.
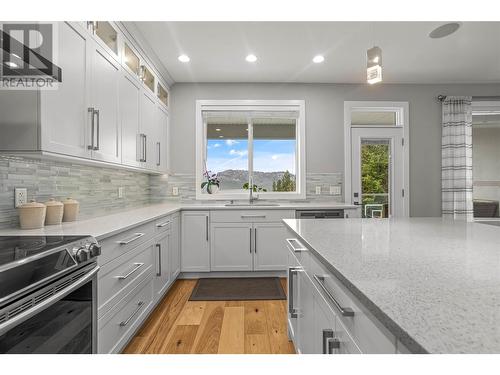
x: 162, y: 94
x: 130, y: 59
x: 147, y: 77
x: 106, y: 33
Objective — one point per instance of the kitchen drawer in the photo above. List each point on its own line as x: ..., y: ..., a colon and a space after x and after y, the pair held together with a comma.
x: 250, y: 216
x: 365, y: 330
x: 119, y: 244
x: 122, y: 274
x: 163, y: 224
x: 116, y: 327
x: 346, y: 343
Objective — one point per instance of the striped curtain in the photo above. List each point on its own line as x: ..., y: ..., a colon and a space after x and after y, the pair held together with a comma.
x: 456, y: 155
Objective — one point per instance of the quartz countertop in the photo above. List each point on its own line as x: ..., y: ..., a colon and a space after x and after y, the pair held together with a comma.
x: 108, y: 225
x: 434, y: 283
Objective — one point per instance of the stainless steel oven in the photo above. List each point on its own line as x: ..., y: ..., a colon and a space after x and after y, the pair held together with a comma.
x: 48, y: 294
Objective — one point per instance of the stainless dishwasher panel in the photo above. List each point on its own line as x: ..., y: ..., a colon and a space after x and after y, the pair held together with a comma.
x: 320, y: 214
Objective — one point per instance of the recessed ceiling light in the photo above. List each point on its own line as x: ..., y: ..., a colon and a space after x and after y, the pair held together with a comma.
x: 11, y: 64
x: 318, y: 59
x: 444, y: 30
x: 217, y: 130
x: 184, y: 58
x: 251, y: 58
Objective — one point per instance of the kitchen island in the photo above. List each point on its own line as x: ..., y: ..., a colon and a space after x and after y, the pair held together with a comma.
x: 432, y: 283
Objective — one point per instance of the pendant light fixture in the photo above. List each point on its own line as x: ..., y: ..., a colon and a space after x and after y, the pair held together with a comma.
x: 374, y: 65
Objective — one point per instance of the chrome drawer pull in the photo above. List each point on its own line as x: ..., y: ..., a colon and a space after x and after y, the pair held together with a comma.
x: 345, y: 311
x: 161, y: 225
x: 297, y: 249
x: 136, y: 267
x: 291, y: 309
x: 252, y: 216
x: 136, y: 236
x: 330, y: 342
x: 125, y: 322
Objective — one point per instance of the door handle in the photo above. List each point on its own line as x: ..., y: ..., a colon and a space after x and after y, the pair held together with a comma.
x: 96, y: 112
x: 91, y: 111
x: 250, y: 241
x: 145, y: 148
x: 255, y: 240
x: 158, y: 246
x: 206, y: 224
x: 159, y: 158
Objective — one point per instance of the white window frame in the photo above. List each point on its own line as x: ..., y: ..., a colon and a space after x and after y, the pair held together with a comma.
x: 252, y: 105
x: 402, y: 110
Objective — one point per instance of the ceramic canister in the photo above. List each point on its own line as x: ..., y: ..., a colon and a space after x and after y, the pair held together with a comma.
x: 71, y: 208
x: 55, y: 211
x: 32, y: 215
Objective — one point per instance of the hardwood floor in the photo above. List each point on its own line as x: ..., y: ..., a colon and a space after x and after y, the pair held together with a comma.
x: 225, y: 327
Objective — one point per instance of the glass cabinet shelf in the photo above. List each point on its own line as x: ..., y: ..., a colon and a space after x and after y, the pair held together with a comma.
x: 162, y: 94
x: 131, y: 59
x: 107, y: 34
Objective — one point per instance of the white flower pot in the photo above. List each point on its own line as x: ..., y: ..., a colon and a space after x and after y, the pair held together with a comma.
x: 212, y: 189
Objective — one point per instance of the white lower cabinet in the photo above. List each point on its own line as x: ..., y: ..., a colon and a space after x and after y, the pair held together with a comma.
x: 195, y: 241
x: 322, y: 317
x: 270, y: 248
x: 175, y: 247
x: 231, y: 245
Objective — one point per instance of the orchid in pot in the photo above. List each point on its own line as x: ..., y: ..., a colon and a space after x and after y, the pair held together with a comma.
x: 212, y: 183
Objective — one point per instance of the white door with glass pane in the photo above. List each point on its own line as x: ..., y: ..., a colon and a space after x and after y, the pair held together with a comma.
x: 377, y: 171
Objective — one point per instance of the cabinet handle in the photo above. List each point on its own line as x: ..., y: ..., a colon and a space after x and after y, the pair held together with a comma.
x: 206, y: 225
x: 292, y: 271
x: 159, y: 158
x: 125, y: 322
x: 250, y: 241
x: 345, y: 311
x: 132, y: 271
x: 142, y: 158
x: 252, y: 216
x: 91, y: 111
x: 161, y: 225
x: 136, y: 236
x: 158, y: 246
x: 297, y: 249
x: 145, y: 148
x: 330, y: 342
x: 255, y: 240
x: 96, y: 112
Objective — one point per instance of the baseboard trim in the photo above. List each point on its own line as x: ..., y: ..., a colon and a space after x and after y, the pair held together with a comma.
x: 198, y: 275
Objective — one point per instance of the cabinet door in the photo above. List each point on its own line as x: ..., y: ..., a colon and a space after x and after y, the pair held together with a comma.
x: 130, y: 94
x: 162, y: 279
x: 305, y: 320
x: 231, y: 247
x: 64, y: 112
x: 161, y: 149
x: 149, y: 128
x: 175, y: 248
x: 292, y: 299
x: 195, y: 254
x: 270, y: 247
x: 105, y: 81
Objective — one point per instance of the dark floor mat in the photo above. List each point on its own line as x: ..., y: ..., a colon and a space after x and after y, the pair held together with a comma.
x: 238, y: 289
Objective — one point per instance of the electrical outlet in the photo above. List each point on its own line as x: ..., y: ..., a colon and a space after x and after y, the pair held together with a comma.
x: 175, y: 190
x: 20, y: 196
x: 318, y: 190
x: 120, y: 192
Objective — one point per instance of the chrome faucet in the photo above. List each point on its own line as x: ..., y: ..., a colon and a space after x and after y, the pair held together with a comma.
x: 252, y: 198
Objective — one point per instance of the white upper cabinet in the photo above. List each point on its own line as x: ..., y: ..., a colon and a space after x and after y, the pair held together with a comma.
x: 162, y: 140
x: 64, y: 112
x: 130, y: 95
x: 149, y: 130
x: 104, y: 101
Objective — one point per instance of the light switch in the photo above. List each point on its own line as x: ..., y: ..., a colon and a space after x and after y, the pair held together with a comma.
x: 318, y: 190
x: 335, y: 190
x: 120, y: 192
x: 175, y: 191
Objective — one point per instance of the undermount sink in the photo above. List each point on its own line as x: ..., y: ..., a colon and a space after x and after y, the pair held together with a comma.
x: 251, y: 204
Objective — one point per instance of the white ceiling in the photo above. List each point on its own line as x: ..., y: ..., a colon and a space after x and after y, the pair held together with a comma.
x: 285, y: 50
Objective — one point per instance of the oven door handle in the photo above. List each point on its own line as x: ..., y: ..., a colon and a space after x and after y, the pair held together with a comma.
x: 18, y: 319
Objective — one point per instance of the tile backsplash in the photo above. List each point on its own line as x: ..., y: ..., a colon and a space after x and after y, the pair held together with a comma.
x: 161, y: 187
x: 96, y: 188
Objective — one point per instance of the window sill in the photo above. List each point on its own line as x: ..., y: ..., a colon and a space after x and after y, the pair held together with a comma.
x: 220, y: 196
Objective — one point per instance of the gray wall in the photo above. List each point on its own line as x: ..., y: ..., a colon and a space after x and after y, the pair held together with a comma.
x: 324, y: 125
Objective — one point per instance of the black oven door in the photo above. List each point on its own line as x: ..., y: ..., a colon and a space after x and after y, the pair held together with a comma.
x: 58, y: 318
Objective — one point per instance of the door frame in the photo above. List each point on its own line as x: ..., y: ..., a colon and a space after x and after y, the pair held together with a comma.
x: 403, y: 120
